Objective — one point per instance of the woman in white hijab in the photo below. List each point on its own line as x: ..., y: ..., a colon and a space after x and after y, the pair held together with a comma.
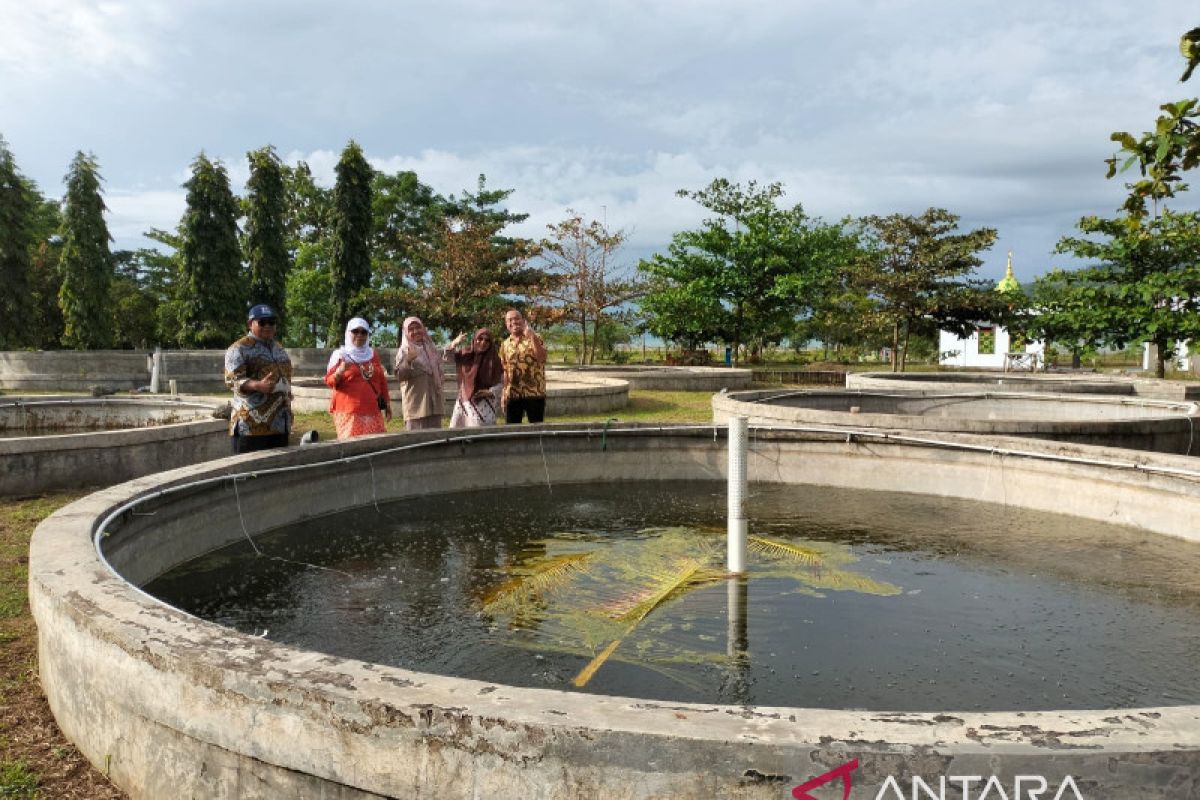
x: 418, y: 367
x: 360, y: 400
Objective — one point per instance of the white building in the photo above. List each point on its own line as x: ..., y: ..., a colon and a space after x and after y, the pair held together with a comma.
x: 991, y: 346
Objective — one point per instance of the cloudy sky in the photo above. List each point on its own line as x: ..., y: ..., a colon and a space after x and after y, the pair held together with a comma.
x: 998, y: 111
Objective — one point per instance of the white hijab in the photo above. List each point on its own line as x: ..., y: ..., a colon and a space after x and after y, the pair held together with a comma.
x: 361, y: 355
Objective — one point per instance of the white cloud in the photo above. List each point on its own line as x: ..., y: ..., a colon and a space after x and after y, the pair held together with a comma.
x: 1000, y: 113
x: 51, y: 37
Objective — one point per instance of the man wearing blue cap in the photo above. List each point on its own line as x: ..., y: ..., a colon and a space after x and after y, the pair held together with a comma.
x: 259, y: 372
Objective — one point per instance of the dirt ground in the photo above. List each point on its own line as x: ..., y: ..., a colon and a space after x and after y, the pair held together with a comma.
x: 36, y: 760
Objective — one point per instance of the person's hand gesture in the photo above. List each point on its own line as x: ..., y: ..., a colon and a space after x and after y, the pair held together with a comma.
x: 458, y: 340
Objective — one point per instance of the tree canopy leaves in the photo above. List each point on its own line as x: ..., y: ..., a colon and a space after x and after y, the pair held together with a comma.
x: 86, y: 262
x: 212, y: 287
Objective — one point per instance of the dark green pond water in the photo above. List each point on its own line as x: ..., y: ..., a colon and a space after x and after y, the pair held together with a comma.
x: 852, y: 600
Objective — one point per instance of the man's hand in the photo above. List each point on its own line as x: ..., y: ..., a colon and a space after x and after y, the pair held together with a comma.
x: 263, y: 385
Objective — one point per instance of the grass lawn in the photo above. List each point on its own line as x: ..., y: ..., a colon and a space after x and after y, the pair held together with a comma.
x: 36, y: 761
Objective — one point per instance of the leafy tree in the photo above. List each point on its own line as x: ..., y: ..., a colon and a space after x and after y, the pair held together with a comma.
x: 17, y: 206
x: 1162, y: 155
x: 1189, y: 48
x: 1063, y: 314
x: 158, y: 272
x: 454, y: 266
x: 211, y: 291
x: 141, y: 294
x: 86, y: 263
x: 590, y: 281
x: 682, y: 311
x: 309, y: 226
x: 309, y: 217
x: 265, y: 241
x: 403, y: 210
x: 470, y: 274
x: 135, y: 312
x: 351, y: 263
x: 746, y: 274
x: 45, y: 279
x: 914, y: 269
x: 1146, y: 286
x: 841, y: 318
x: 407, y: 218
x: 486, y: 205
x: 310, y: 297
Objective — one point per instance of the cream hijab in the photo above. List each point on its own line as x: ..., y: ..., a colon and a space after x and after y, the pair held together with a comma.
x: 427, y: 354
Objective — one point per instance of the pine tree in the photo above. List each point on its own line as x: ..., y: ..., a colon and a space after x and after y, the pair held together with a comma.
x: 16, y: 212
x: 351, y: 234
x: 266, y: 246
x: 86, y: 263
x: 212, y: 296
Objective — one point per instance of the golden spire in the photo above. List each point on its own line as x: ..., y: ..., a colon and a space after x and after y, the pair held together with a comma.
x: 1008, y: 283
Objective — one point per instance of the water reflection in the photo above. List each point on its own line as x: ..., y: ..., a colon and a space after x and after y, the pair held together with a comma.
x: 909, y: 603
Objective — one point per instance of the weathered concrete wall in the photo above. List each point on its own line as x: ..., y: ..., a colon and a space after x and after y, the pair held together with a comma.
x: 71, y: 371
x: 1024, y: 382
x: 677, y: 379
x: 1160, y: 426
x: 194, y: 371
x: 163, y: 433
x: 172, y: 706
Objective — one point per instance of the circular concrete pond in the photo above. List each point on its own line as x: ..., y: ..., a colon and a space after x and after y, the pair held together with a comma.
x: 566, y: 394
x: 49, y: 443
x: 1140, y: 424
x: 172, y: 705
x: 673, y: 379
x: 1054, y: 383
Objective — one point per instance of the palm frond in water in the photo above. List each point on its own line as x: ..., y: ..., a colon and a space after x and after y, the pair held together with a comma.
x: 636, y: 607
x: 773, y: 548
x: 668, y: 585
x: 535, y: 581
x: 846, y: 581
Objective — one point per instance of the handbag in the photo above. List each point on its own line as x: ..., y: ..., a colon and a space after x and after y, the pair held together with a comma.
x: 381, y: 402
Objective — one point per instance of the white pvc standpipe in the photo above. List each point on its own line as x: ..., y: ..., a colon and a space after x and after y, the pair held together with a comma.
x: 737, y: 494
x: 156, y: 370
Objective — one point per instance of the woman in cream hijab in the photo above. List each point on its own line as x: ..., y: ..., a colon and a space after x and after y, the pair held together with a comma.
x: 418, y: 367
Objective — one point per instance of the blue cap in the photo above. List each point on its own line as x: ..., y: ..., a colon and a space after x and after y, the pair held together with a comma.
x: 261, y: 311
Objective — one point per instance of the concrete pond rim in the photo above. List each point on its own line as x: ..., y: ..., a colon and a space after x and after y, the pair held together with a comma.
x: 292, y: 718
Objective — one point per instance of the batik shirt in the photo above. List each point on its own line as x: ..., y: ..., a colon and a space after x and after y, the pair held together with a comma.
x: 526, y: 375
x: 255, y: 413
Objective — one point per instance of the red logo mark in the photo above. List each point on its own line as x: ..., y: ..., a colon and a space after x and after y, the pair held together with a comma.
x: 843, y: 772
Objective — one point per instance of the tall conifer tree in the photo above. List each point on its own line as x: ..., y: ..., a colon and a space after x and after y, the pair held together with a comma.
x: 351, y: 235
x: 16, y: 230
x: 212, y: 288
x: 266, y: 245
x: 86, y: 263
